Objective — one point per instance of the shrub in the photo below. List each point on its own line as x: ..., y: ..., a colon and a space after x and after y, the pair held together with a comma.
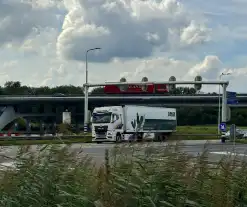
x: 131, y: 176
x: 64, y: 129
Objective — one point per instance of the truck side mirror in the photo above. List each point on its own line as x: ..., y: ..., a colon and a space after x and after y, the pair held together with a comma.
x: 114, y: 118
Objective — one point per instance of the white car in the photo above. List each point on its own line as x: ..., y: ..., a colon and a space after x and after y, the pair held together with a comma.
x: 239, y: 134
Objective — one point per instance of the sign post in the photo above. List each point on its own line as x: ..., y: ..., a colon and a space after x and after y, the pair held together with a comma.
x: 42, y: 128
x: 16, y: 127
x: 233, y: 132
x: 222, y: 127
x: 233, y: 135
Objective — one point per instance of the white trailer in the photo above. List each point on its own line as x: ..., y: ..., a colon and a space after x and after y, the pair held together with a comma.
x: 129, y: 122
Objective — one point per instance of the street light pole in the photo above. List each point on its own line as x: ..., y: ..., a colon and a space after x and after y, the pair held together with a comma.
x: 86, y: 92
x: 219, y: 111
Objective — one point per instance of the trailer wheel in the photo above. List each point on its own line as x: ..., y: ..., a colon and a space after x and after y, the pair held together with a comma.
x: 164, y: 138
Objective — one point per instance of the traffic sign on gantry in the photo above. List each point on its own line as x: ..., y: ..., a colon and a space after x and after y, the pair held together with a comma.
x: 123, y: 87
x: 231, y: 98
x: 172, y: 86
x: 144, y: 87
x: 198, y: 86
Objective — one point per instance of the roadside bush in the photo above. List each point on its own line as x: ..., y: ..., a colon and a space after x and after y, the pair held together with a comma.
x: 131, y: 176
x: 64, y: 129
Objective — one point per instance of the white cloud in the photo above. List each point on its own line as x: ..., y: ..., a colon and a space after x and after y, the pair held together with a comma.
x: 19, y: 19
x: 10, y: 64
x: 43, y: 42
x: 126, y: 29
x: 195, y: 34
x: 209, y: 68
x: 159, y: 69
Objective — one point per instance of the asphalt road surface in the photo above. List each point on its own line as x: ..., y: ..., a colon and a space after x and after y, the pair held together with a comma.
x: 215, y: 148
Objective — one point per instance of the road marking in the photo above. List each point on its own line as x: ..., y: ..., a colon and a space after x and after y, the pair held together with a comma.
x: 228, y: 153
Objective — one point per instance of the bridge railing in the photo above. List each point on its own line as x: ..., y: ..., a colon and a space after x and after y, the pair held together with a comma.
x: 122, y: 95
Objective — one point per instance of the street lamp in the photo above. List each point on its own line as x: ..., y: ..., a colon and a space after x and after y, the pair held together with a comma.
x: 219, y: 111
x: 86, y: 92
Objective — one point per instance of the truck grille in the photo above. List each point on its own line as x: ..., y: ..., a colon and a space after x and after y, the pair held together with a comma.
x: 101, y: 132
x: 101, y: 129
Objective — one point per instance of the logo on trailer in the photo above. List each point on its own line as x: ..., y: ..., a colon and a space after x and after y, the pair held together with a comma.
x: 171, y: 114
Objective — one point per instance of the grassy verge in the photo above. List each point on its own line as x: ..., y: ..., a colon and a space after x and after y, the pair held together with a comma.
x: 39, y: 142
x: 85, y: 140
x: 130, y: 177
x: 241, y: 141
x: 192, y: 137
x: 197, y: 130
x: 189, y: 130
x: 200, y: 129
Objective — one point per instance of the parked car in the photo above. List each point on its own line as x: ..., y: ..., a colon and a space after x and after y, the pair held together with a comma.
x: 240, y: 134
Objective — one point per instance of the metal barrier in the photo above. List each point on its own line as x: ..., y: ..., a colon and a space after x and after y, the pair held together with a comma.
x: 28, y: 137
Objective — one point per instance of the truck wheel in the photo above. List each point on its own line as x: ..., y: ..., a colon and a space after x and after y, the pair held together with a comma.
x: 139, y: 137
x: 118, y: 138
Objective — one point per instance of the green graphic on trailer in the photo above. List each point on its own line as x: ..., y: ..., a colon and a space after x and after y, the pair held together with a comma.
x: 137, y: 123
x: 153, y: 124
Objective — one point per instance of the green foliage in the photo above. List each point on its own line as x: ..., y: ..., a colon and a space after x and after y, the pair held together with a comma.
x: 15, y: 88
x: 21, y: 122
x: 183, y: 91
x: 98, y: 90
x: 12, y: 142
x: 56, y: 176
x: 64, y: 129
x: 209, y: 116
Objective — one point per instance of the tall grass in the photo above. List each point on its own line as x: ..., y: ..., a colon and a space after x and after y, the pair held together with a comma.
x: 131, y: 176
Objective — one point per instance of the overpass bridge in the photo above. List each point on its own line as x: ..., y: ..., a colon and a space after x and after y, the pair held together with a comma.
x: 105, y: 99
x: 50, y: 108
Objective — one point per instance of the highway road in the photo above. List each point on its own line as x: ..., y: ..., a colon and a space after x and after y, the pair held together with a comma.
x: 215, y: 148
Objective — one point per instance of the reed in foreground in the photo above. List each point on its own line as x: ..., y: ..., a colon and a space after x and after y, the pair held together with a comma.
x: 130, y: 177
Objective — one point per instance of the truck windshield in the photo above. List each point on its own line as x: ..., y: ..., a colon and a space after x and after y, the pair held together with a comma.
x: 101, y: 118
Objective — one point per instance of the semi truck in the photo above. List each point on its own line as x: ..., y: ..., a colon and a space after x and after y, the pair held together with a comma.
x: 130, y: 122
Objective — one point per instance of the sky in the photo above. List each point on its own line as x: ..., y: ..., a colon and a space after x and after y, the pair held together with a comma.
x: 44, y: 42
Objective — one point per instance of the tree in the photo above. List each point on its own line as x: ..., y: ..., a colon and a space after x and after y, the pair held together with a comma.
x: 183, y: 91
x: 12, y: 84
x: 13, y: 87
x: 98, y: 90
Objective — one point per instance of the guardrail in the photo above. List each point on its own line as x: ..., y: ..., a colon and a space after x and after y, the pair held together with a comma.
x: 27, y: 137
x: 203, y: 135
x: 5, y: 138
